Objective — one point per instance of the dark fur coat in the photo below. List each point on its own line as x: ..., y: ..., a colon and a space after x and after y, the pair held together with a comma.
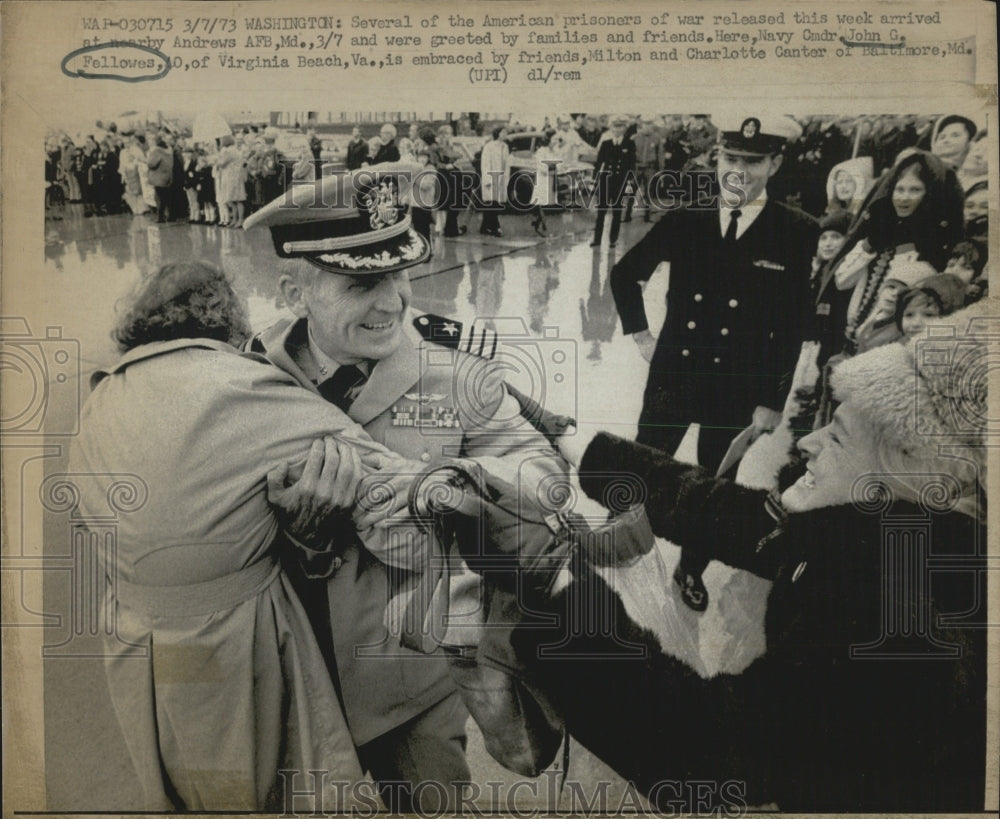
x: 835, y: 716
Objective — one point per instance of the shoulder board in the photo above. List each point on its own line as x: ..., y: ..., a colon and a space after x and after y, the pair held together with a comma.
x: 473, y: 339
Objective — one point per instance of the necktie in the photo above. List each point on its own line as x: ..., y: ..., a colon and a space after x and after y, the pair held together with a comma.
x: 342, y: 387
x: 734, y: 216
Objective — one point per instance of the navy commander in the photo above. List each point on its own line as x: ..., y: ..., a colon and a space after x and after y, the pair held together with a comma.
x: 347, y: 243
x: 737, y: 293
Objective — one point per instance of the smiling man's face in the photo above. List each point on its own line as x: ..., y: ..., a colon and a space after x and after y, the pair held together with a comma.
x: 353, y: 318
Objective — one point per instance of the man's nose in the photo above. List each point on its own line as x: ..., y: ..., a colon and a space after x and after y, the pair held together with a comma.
x: 390, y: 295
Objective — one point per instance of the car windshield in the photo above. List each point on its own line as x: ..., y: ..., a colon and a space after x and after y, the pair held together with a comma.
x: 522, y: 144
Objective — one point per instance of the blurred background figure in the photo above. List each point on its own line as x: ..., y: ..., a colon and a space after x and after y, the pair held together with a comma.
x: 494, y: 176
x: 160, y: 162
x: 357, y: 150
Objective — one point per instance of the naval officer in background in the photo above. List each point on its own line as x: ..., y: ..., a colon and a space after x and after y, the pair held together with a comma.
x: 737, y: 295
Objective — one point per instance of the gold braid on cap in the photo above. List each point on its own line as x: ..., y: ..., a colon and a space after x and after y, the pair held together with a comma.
x: 346, y: 242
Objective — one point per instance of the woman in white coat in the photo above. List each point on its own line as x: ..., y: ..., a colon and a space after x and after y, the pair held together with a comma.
x: 215, y: 675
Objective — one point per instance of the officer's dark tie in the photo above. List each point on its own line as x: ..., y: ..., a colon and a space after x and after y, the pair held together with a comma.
x: 343, y: 386
x: 734, y: 216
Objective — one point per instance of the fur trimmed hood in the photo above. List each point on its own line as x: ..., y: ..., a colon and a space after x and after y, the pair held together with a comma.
x: 861, y: 170
x: 932, y: 390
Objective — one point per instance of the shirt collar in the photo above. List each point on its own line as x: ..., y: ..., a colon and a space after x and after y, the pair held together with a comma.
x: 320, y: 366
x: 748, y: 214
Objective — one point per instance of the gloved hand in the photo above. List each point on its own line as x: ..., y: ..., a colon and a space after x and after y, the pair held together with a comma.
x: 501, y: 535
x: 551, y: 425
x: 882, y: 221
x: 509, y: 536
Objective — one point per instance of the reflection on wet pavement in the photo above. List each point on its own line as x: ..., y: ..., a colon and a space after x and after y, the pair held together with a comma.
x: 552, y: 287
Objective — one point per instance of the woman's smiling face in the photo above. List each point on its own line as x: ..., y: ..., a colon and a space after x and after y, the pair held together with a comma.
x: 837, y: 455
x: 908, y: 193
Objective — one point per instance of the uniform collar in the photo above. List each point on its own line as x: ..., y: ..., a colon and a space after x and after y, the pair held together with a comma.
x: 388, y: 379
x: 318, y: 365
x: 748, y: 215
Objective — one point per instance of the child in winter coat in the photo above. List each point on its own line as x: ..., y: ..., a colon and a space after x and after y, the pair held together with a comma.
x: 206, y: 190
x: 916, y: 214
x: 880, y: 327
x: 939, y: 295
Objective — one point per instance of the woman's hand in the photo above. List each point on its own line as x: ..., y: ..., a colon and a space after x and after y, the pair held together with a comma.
x: 327, y: 489
x: 385, y: 490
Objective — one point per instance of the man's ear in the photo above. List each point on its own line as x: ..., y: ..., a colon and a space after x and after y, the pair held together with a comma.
x: 293, y: 292
x: 775, y: 164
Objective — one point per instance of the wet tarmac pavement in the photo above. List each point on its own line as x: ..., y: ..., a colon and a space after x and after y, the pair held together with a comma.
x: 550, y: 294
x: 552, y: 287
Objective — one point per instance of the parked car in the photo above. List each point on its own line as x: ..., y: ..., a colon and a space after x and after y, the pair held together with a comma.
x: 290, y: 144
x: 570, y: 176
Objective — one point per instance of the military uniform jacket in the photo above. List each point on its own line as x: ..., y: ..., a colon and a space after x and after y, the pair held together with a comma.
x: 423, y: 402
x: 734, y: 312
x: 614, y: 162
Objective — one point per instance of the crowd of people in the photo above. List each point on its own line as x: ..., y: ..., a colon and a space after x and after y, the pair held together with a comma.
x: 316, y: 561
x: 164, y: 173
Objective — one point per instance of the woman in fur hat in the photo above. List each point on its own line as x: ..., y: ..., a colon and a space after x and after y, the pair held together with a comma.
x: 871, y: 694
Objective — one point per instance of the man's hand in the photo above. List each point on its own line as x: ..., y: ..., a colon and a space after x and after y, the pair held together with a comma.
x: 386, y: 487
x: 765, y: 420
x: 646, y: 343
x: 328, y: 488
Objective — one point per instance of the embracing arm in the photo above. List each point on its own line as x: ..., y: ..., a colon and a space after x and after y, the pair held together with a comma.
x: 504, y: 431
x: 685, y: 504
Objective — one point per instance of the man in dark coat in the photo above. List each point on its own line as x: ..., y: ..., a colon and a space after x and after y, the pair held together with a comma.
x: 615, y: 162
x: 389, y: 151
x: 739, y: 277
x: 357, y: 150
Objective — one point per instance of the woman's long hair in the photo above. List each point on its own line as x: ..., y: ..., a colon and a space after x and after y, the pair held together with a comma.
x: 934, y: 227
x: 182, y: 300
